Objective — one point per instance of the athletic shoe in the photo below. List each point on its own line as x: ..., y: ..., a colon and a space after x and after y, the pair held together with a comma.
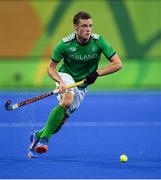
x: 34, y: 141
x: 32, y: 154
x: 42, y: 146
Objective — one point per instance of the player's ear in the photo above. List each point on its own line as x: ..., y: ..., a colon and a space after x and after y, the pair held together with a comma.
x: 75, y: 27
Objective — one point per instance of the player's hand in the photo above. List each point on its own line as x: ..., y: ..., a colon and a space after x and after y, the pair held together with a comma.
x: 91, y: 77
x: 61, y: 88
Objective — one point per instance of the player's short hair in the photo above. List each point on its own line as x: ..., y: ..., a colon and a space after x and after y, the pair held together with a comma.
x: 81, y: 15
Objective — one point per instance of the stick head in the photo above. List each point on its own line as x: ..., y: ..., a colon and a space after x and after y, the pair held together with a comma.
x: 8, y: 106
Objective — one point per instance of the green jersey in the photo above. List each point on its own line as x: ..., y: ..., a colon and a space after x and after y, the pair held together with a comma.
x: 79, y: 60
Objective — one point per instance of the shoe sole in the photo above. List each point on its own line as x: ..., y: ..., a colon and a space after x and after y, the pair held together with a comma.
x: 30, y: 156
x: 41, y: 149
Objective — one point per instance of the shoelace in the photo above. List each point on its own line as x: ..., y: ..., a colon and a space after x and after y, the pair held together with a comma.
x: 34, y: 143
x: 44, y: 141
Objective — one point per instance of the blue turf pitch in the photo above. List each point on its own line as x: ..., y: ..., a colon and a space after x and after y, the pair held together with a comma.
x: 90, y: 143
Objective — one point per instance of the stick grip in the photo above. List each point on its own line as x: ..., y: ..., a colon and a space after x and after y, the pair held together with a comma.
x: 74, y: 85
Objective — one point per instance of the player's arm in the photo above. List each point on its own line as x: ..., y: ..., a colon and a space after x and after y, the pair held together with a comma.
x: 56, y: 57
x: 115, y: 62
x: 114, y: 65
x: 52, y: 72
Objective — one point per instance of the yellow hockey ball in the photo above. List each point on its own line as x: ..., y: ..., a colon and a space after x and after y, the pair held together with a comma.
x: 123, y: 158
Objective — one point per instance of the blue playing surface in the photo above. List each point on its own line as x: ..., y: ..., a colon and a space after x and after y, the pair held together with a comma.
x: 89, y: 145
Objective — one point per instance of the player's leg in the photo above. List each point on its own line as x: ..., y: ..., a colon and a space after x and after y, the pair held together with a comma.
x: 70, y: 101
x: 58, y: 111
x: 54, y: 122
x: 41, y: 147
x: 70, y: 105
x: 57, y: 116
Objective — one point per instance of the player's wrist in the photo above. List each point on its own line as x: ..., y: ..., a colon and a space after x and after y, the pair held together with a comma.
x: 91, y: 77
x: 96, y: 73
x: 60, y: 81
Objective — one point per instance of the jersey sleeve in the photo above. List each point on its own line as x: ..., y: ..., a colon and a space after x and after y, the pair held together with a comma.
x: 57, y: 53
x: 106, y: 48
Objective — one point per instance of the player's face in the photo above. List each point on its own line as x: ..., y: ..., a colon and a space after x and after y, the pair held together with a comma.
x: 84, y: 28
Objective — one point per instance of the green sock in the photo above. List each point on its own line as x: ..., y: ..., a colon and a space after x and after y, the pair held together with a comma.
x: 54, y: 121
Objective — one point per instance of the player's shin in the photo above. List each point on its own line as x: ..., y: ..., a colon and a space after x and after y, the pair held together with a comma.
x: 60, y: 126
x: 54, y: 121
x: 39, y: 133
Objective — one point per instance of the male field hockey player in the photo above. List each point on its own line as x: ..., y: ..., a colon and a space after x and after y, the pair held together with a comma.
x: 80, y: 52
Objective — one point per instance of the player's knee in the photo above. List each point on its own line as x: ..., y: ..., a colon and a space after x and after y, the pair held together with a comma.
x: 66, y: 104
x: 67, y: 100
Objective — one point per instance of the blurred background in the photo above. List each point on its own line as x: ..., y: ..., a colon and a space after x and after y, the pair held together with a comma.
x: 29, y: 29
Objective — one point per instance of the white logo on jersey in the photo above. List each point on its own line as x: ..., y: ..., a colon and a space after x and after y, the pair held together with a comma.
x: 93, y: 49
x: 85, y: 57
x: 73, y: 49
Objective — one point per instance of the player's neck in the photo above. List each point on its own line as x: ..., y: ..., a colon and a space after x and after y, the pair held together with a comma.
x: 81, y: 40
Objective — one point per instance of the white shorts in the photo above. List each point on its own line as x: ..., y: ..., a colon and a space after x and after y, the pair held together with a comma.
x: 79, y: 93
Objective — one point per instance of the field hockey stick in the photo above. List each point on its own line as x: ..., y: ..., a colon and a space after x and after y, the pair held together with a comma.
x: 9, y: 106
